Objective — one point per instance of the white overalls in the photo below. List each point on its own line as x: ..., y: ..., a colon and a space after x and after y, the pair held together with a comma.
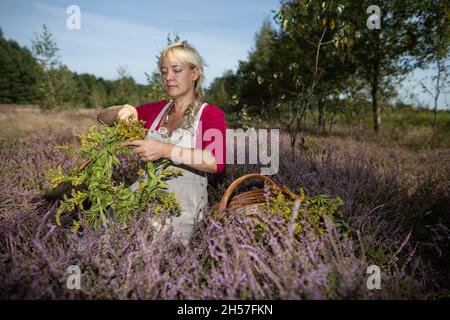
x: 190, y: 188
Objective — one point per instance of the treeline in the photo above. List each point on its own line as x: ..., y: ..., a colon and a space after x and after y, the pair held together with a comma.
x: 337, y: 57
x: 18, y: 73
x: 37, y: 76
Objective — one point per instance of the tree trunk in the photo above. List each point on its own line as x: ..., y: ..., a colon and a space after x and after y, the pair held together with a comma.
x: 321, y: 122
x: 293, y: 137
x: 437, y: 92
x: 435, y: 111
x: 375, y: 109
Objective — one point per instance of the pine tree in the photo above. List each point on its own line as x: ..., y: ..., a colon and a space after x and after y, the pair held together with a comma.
x: 18, y: 73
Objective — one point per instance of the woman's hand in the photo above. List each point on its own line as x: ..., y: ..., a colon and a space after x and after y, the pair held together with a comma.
x: 150, y: 150
x: 125, y: 111
x: 114, y: 113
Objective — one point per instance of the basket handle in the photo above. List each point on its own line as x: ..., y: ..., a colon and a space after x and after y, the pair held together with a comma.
x: 224, y: 201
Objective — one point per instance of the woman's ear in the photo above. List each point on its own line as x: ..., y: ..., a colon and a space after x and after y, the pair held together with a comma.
x: 195, y: 73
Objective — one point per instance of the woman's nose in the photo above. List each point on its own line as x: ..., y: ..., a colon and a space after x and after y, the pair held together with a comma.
x: 169, y: 75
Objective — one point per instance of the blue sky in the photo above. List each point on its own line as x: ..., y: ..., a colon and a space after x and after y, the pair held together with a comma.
x: 131, y: 33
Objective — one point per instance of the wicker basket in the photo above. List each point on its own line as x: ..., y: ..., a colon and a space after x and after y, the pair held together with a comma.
x: 250, y: 201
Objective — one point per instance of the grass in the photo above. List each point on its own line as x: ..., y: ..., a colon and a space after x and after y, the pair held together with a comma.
x: 19, y: 121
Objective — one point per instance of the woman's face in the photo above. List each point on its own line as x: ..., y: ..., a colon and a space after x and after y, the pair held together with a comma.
x: 178, y: 78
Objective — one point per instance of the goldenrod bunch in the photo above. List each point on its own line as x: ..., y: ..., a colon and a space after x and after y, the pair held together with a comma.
x: 312, y: 208
x: 94, y: 192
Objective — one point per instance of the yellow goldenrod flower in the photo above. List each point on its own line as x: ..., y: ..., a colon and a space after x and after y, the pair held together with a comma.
x: 141, y: 186
x: 302, y: 194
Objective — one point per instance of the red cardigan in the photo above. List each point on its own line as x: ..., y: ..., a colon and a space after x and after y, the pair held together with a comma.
x: 212, y: 117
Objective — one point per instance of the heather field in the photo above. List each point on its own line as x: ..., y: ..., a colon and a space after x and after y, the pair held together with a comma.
x: 395, y: 214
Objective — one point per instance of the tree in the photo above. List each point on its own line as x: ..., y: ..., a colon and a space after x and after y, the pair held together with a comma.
x: 310, y: 60
x: 125, y: 88
x: 18, y: 73
x: 222, y: 90
x: 174, y: 40
x: 98, y: 97
x: 288, y: 66
x: 154, y: 91
x: 45, y: 49
x: 253, y: 93
x: 440, y: 81
x: 56, y: 88
x: 383, y: 55
x: 65, y: 87
x: 435, y: 21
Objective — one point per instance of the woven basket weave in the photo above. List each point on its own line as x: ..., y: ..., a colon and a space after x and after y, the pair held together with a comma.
x: 249, y: 202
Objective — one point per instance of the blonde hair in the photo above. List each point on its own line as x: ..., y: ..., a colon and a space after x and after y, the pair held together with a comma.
x: 184, y: 52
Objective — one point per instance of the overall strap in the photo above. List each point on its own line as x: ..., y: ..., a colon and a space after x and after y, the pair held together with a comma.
x: 160, y: 115
x: 199, y: 115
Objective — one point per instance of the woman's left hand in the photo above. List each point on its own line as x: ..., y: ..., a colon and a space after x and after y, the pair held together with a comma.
x: 149, y: 150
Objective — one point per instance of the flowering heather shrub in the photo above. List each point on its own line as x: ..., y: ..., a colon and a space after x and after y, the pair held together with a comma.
x: 400, y: 227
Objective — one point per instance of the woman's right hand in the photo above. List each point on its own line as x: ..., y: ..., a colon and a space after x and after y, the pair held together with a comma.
x: 125, y: 111
x: 114, y: 113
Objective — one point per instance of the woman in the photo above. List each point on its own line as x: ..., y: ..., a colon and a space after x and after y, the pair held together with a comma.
x: 195, y: 131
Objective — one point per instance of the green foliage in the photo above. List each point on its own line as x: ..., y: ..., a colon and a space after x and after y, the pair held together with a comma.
x: 98, y: 96
x: 92, y: 92
x: 391, y: 51
x: 292, y: 65
x: 222, y: 91
x: 95, y: 194
x: 176, y: 38
x: 125, y: 89
x: 18, y: 73
x: 45, y: 49
x: 433, y: 25
x: 155, y: 90
x: 56, y: 86
x: 254, y: 88
x: 436, y: 48
x: 59, y: 87
x: 324, y: 52
x: 312, y: 208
